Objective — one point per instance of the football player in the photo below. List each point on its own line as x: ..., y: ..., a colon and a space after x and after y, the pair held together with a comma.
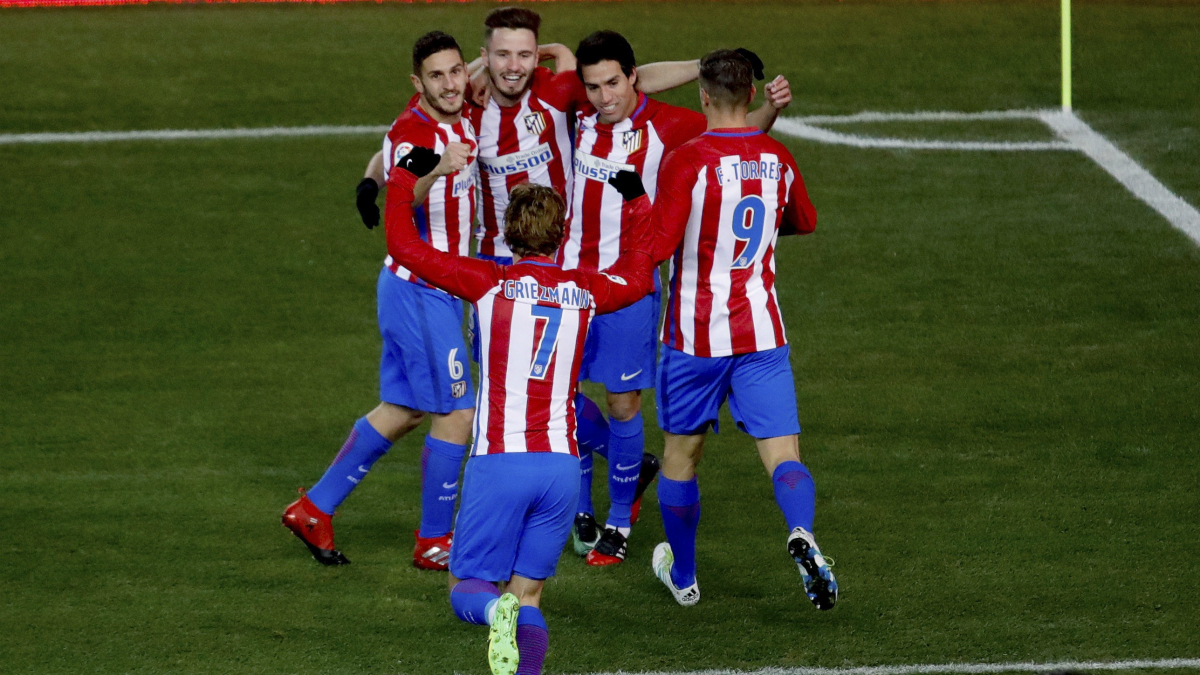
x: 620, y: 128
x: 423, y: 369
x: 723, y: 200
x: 522, y: 478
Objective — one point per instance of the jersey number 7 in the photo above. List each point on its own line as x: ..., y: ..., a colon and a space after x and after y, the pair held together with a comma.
x: 545, y: 349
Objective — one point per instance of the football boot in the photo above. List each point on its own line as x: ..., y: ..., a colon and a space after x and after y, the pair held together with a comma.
x: 646, y: 476
x: 432, y: 553
x: 585, y: 534
x: 815, y: 569
x: 314, y: 528
x: 662, y: 561
x: 503, y: 656
x: 610, y: 550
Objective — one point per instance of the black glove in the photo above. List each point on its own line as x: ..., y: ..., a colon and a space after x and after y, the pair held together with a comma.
x: 368, y: 191
x: 628, y: 183
x: 755, y: 62
x: 420, y: 161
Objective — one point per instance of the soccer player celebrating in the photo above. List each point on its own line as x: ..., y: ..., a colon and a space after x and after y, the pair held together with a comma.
x: 723, y: 200
x: 522, y: 479
x: 423, y: 364
x: 622, y: 129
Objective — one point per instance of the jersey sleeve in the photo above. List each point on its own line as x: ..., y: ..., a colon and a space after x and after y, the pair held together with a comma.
x: 402, y: 138
x: 673, y: 203
x: 630, y: 278
x: 467, y: 278
x: 799, y: 216
x: 562, y: 90
x: 681, y: 125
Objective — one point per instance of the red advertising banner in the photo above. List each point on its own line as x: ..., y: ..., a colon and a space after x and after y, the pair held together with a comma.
x: 96, y: 3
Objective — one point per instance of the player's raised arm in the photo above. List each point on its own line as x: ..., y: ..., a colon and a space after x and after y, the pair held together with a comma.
x: 467, y: 278
x: 630, y: 278
x: 367, y: 191
x: 779, y: 96
x: 663, y: 75
x: 563, y: 57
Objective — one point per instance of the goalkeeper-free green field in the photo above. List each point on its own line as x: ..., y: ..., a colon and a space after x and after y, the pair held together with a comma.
x: 997, y: 354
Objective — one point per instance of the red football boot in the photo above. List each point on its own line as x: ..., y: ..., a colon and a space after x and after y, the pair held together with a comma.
x: 314, y: 528
x: 610, y: 550
x: 432, y: 553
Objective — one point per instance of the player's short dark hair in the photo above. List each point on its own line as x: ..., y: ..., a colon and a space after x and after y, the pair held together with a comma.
x: 604, y: 45
x: 728, y: 77
x: 429, y: 44
x: 511, y: 17
x: 534, y: 220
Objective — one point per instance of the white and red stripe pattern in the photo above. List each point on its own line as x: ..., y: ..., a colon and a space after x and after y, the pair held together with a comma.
x: 526, y: 143
x: 597, y: 215
x: 730, y: 192
x: 530, y: 359
x: 444, y: 218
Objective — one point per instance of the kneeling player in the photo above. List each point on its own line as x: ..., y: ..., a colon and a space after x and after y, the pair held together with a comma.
x: 723, y: 200
x: 522, y: 480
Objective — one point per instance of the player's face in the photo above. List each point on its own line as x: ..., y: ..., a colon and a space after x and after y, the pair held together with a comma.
x: 610, y: 91
x: 511, y: 56
x: 443, y: 82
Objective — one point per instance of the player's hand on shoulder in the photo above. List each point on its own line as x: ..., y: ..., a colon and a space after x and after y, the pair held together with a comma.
x: 779, y: 93
x: 367, y: 192
x: 755, y: 62
x: 419, y: 161
x: 628, y: 183
x: 456, y: 158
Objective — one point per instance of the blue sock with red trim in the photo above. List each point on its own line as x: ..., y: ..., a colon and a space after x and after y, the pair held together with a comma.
x: 472, y: 600
x: 796, y: 494
x: 627, y: 442
x: 363, y: 447
x: 591, y: 432
x: 440, y: 463
x: 679, y: 502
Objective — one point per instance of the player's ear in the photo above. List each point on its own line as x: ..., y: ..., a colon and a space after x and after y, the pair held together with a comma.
x: 483, y: 54
x: 416, y: 82
x: 633, y: 77
x: 753, y: 91
x: 705, y: 101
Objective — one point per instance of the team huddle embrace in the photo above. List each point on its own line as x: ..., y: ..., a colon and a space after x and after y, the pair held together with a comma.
x: 577, y: 186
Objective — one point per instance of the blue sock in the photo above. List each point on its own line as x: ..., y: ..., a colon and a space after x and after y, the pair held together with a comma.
x: 440, y: 462
x: 358, y: 454
x: 471, y: 600
x: 626, y: 443
x: 796, y: 494
x: 533, y: 641
x: 679, y: 502
x: 591, y: 430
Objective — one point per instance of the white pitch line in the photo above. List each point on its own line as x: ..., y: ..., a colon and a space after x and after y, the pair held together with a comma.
x: 1183, y: 216
x: 187, y: 134
x: 948, y: 668
x: 922, y: 116
x: 793, y: 126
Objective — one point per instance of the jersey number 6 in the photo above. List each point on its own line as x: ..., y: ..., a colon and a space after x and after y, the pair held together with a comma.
x: 749, y: 216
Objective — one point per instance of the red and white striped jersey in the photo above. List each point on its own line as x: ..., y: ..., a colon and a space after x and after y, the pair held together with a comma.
x: 723, y: 200
x: 533, y: 320
x: 444, y: 218
x: 639, y: 143
x: 526, y: 143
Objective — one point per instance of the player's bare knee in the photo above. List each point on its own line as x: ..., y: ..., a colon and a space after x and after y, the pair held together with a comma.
x: 453, y: 427
x: 528, y: 591
x: 393, y: 421
x: 623, y: 406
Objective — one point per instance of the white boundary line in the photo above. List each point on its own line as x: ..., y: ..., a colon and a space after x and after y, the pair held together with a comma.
x: 1183, y: 216
x: 969, y: 668
x: 1073, y: 132
x: 187, y: 134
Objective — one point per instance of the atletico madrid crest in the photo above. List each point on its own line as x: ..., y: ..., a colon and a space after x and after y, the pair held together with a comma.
x: 535, y: 123
x: 631, y: 141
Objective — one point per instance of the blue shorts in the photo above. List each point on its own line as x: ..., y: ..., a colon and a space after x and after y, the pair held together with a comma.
x: 516, y: 515
x: 620, y: 348
x: 472, y: 324
x: 424, y: 361
x: 759, y: 386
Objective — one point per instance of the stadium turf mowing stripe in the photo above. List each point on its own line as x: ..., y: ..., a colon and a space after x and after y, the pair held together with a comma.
x: 955, y: 668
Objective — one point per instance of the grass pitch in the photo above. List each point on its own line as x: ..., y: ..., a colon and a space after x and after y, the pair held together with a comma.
x: 997, y: 354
